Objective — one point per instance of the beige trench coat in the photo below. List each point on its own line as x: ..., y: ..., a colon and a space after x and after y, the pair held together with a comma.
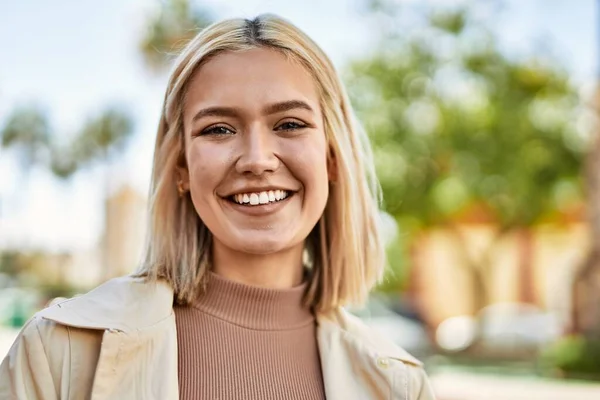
x: 119, y: 341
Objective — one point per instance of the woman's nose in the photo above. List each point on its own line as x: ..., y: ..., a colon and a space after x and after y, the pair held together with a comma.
x: 257, y: 153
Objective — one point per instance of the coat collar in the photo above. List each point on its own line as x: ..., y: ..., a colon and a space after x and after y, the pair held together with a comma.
x: 352, y: 329
x: 124, y: 304
x: 129, y: 304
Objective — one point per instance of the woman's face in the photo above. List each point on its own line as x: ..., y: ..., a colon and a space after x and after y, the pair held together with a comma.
x: 256, y: 151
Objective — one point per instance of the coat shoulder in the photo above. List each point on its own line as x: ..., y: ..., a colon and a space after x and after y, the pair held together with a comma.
x: 42, y: 357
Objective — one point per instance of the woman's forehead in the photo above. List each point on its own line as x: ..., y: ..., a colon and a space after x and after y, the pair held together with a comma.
x: 258, y: 76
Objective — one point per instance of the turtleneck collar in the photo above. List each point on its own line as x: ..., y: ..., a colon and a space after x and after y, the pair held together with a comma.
x: 254, y: 307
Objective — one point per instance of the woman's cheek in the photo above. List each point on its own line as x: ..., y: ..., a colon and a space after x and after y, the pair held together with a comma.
x: 308, y: 151
x: 203, y: 166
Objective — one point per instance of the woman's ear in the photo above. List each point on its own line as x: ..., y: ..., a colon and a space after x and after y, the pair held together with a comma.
x: 182, y: 175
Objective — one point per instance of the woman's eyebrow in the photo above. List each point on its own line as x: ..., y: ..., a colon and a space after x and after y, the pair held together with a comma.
x: 235, y: 112
x: 216, y: 112
x: 286, y: 106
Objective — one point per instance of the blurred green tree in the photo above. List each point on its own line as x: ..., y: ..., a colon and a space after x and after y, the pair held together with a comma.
x: 28, y: 131
x: 13, y: 264
x: 457, y: 125
x: 100, y: 138
x: 168, y: 31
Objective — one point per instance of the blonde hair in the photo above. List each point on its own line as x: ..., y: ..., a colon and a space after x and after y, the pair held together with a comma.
x: 345, y: 250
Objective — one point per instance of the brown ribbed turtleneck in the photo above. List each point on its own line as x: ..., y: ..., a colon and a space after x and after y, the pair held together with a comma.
x: 244, y: 342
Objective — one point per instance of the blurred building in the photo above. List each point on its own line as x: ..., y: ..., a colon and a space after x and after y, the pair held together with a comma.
x: 118, y: 252
x: 124, y: 235
x: 458, y: 270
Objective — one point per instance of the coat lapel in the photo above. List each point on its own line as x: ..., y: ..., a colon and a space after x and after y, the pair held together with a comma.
x: 356, y: 364
x: 138, y: 356
x: 103, y: 308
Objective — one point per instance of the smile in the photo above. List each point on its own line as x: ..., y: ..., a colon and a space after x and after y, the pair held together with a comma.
x: 260, y: 198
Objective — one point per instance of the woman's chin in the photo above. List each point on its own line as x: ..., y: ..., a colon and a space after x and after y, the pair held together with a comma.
x: 262, y: 243
x: 262, y: 247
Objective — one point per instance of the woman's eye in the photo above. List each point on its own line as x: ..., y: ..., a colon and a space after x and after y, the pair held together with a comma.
x: 290, y: 126
x: 217, y: 130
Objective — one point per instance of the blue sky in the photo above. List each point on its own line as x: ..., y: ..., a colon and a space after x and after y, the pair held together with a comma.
x: 74, y: 57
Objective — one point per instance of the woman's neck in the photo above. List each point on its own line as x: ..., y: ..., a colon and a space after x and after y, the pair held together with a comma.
x: 278, y: 271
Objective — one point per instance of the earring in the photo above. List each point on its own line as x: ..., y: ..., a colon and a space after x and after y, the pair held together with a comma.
x: 180, y: 189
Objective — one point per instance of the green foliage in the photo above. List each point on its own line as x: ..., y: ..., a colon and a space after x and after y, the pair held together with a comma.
x: 453, y: 21
x: 397, y: 271
x: 462, y: 124
x: 53, y: 291
x: 100, y: 136
x: 176, y: 22
x: 457, y: 124
x: 28, y: 130
x: 573, y: 356
x: 13, y: 263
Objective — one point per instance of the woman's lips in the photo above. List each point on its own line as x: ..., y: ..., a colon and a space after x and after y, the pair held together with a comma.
x: 259, y: 209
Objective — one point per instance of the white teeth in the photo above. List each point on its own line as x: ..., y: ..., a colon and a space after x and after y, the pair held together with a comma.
x: 265, y: 197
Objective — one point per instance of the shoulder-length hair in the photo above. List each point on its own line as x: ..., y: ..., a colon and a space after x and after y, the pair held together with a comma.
x: 344, y: 250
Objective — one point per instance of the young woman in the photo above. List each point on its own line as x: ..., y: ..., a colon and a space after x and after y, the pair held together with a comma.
x: 263, y: 224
